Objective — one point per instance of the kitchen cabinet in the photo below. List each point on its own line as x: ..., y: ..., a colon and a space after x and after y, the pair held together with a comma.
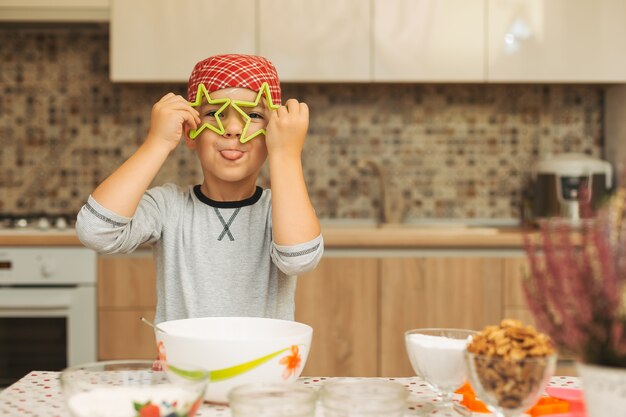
x: 556, y: 40
x: 438, y: 291
x: 428, y: 40
x: 162, y: 40
x: 365, y: 41
x: 322, y: 40
x: 126, y: 292
x: 450, y: 291
x: 360, y: 306
x: 339, y: 299
x: 57, y: 10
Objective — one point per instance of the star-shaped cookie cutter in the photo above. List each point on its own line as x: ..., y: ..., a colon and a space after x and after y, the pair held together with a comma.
x: 225, y: 102
x: 237, y: 105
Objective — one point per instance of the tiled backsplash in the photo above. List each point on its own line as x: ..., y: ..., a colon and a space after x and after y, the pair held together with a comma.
x: 451, y: 151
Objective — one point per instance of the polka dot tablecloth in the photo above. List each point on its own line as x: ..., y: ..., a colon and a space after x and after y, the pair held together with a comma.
x: 38, y: 394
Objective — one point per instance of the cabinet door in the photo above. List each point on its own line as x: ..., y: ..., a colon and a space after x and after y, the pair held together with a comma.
x: 429, y: 40
x: 321, y: 40
x: 57, y: 10
x: 122, y: 335
x: 556, y: 40
x: 515, y: 306
x: 127, y: 281
x: 339, y: 299
x: 126, y: 292
x: 451, y: 292
x: 162, y: 40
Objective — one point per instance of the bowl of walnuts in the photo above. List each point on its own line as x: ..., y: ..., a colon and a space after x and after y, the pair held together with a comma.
x: 509, y: 366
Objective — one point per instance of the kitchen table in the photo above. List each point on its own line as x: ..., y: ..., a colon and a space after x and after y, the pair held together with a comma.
x: 38, y: 394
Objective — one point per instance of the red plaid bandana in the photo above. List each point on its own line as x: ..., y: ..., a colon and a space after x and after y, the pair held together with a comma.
x: 233, y: 70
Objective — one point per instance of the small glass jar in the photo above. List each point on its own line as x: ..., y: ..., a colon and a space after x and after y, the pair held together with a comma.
x: 272, y: 400
x: 363, y: 398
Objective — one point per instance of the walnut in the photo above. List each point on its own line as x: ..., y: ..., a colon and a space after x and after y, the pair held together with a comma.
x: 503, y: 368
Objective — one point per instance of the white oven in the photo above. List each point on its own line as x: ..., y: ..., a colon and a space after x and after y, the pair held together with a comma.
x: 47, y: 309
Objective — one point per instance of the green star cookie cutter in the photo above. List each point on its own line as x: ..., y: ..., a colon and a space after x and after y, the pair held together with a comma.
x: 237, y: 105
x: 225, y: 102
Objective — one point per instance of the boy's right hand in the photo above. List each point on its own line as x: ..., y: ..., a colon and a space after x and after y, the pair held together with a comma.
x: 169, y: 117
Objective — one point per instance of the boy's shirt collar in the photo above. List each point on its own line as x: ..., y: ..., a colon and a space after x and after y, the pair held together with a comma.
x: 228, y: 204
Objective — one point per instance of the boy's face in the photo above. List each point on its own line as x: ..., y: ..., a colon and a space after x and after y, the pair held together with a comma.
x: 223, y: 156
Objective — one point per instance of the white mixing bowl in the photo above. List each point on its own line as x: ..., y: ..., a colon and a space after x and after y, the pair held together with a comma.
x: 236, y: 350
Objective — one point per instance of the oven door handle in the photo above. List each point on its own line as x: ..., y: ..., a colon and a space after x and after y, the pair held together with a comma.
x: 12, y: 299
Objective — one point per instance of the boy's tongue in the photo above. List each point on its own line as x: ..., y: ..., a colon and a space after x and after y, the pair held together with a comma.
x: 231, y: 154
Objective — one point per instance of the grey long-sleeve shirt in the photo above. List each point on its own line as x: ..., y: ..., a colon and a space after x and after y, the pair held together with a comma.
x: 212, y: 258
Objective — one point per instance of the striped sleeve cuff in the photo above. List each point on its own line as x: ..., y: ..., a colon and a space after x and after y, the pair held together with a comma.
x: 301, y: 249
x: 296, y: 259
x: 105, y: 214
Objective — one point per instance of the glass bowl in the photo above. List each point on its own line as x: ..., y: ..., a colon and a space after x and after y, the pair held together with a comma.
x: 131, y: 388
x: 272, y: 400
x: 363, y: 397
x: 508, y: 387
x: 436, y: 355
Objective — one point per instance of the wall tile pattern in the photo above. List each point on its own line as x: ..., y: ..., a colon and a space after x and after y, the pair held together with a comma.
x: 461, y: 151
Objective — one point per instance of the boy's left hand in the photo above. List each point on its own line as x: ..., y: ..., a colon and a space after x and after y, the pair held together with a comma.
x: 286, y: 130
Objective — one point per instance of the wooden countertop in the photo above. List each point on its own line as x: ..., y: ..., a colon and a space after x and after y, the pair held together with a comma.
x: 39, y: 238
x: 337, y: 236
x: 421, y: 237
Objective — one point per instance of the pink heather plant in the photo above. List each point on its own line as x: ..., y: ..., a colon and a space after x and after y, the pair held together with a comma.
x: 576, y: 287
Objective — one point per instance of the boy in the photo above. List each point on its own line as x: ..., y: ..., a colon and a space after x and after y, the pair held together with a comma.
x: 224, y: 247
